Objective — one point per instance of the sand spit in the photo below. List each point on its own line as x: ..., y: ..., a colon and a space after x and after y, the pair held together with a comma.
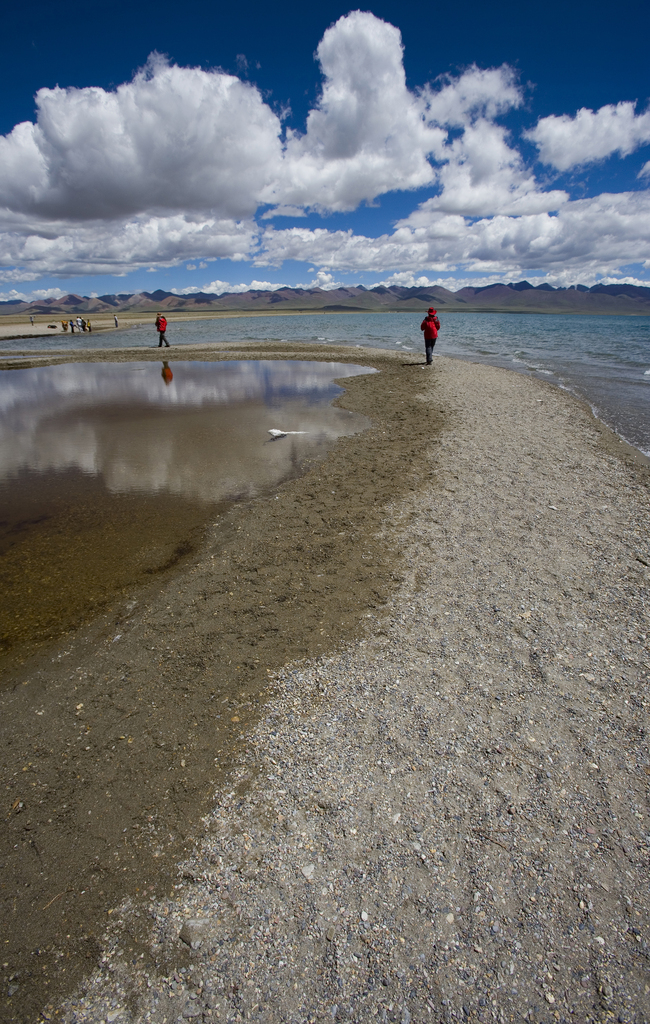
x: 444, y: 817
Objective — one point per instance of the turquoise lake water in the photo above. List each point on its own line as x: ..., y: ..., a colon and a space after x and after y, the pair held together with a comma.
x: 602, y: 359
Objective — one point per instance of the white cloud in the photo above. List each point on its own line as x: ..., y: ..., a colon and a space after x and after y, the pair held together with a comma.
x: 565, y: 142
x: 589, y: 236
x: 323, y: 280
x: 368, y: 134
x: 39, y: 293
x: 645, y: 171
x: 407, y: 279
x: 284, y: 211
x: 154, y: 144
x: 101, y: 247
x: 484, y: 176
x: 174, y: 165
x: 154, y: 149
x: 477, y: 93
x: 255, y: 286
x: 624, y: 280
x: 223, y: 287
x: 561, y: 279
x: 218, y: 287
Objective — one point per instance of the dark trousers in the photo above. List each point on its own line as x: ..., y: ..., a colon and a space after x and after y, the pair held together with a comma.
x: 161, y: 338
x: 429, y: 348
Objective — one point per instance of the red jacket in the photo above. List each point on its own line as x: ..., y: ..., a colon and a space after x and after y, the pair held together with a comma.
x: 161, y: 324
x: 430, y: 326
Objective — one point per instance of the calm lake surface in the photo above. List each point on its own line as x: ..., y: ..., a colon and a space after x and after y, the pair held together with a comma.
x: 602, y: 359
x: 109, y: 473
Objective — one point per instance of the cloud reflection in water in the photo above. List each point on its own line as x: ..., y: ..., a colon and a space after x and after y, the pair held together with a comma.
x: 202, y: 435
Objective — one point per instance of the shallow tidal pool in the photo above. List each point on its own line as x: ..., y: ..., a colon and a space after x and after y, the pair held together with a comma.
x: 109, y: 472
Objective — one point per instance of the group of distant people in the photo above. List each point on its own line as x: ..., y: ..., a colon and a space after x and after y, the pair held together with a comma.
x: 80, y: 324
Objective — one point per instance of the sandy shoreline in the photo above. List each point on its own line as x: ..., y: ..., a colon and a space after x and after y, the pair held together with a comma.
x: 439, y: 811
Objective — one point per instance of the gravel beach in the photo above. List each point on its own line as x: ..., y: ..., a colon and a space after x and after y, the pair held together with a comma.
x: 438, y: 810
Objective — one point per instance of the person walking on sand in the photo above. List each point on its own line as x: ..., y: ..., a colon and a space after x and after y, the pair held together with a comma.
x: 31, y: 320
x: 89, y: 327
x: 64, y: 325
x: 115, y: 319
x: 161, y: 327
x: 430, y: 325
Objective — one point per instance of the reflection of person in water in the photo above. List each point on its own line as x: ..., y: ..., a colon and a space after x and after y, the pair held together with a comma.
x: 167, y: 374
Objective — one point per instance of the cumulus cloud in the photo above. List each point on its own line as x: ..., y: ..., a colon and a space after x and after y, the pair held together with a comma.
x: 368, y: 134
x: 171, y: 140
x: 192, y: 154
x: 483, y: 176
x: 176, y: 140
x: 565, y: 142
x: 323, y: 280
x: 284, y: 211
x: 115, y: 247
x: 620, y: 279
x: 255, y: 286
x: 591, y: 235
x: 224, y: 287
x: 175, y: 165
x: 477, y: 93
x: 407, y: 279
x: 557, y: 279
x: 39, y: 293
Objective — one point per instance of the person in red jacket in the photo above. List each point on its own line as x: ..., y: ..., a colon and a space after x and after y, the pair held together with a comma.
x: 161, y: 327
x: 430, y: 325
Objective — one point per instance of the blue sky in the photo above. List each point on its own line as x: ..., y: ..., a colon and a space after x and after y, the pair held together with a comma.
x: 304, y: 144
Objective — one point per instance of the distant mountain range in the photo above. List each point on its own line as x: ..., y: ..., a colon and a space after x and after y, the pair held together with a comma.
x: 523, y: 297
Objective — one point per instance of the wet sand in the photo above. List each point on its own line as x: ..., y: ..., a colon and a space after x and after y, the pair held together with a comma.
x: 116, y: 740
x: 124, y: 728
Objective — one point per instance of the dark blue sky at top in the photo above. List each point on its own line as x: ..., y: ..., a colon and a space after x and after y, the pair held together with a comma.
x: 583, y: 53
x: 571, y: 55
